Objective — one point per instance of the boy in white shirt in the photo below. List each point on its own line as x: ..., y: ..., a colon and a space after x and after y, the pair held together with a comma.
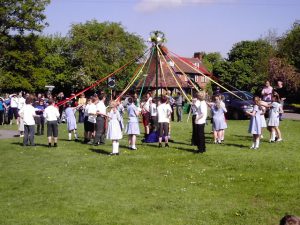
x: 27, y: 113
x: 164, y: 111
x: 51, y: 114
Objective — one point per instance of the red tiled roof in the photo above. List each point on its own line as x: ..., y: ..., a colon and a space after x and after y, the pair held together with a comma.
x: 169, y: 79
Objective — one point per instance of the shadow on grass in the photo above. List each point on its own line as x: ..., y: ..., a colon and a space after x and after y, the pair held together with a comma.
x: 236, y: 145
x: 185, y: 149
x: 99, y: 151
x: 36, y: 145
x: 243, y: 137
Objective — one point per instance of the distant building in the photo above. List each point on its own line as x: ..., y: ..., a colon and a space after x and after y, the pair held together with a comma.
x: 166, y: 79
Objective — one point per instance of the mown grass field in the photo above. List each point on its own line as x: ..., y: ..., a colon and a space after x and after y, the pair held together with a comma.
x: 80, y: 184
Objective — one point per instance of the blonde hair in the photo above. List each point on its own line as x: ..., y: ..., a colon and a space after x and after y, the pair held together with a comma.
x: 113, y: 104
x: 201, y: 95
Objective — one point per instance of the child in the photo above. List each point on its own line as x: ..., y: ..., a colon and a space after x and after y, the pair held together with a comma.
x: 219, y: 123
x: 114, y: 131
x: 133, y: 123
x: 164, y: 113
x: 255, y: 123
x: 273, y: 122
x: 71, y: 121
x: 263, y: 119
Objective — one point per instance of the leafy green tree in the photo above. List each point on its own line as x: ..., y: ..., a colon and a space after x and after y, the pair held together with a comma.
x: 19, y: 16
x: 289, y: 46
x: 211, y: 59
x: 247, y: 65
x: 19, y: 22
x: 100, y: 48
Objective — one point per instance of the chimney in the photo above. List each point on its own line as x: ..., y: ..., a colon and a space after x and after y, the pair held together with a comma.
x: 198, y: 55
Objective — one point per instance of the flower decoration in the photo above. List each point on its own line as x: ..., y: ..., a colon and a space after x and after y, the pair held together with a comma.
x: 157, y: 37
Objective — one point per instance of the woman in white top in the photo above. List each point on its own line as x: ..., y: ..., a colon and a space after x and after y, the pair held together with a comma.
x: 164, y: 111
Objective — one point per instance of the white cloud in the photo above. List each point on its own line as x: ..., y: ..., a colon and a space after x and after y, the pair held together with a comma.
x: 152, y: 5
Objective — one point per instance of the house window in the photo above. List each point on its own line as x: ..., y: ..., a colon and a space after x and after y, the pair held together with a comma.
x: 203, y: 79
x: 196, y: 78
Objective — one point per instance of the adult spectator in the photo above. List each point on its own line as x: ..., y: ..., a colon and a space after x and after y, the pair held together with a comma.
x: 2, y: 110
x: 179, y: 104
x: 281, y: 91
x: 51, y: 114
x: 267, y: 92
x: 27, y: 114
x: 13, y: 112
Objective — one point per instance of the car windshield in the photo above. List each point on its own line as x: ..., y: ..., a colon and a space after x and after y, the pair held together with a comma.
x: 243, y: 95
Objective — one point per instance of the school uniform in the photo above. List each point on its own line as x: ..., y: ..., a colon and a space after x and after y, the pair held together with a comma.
x: 27, y: 113
x: 100, y: 123
x: 194, y: 107
x: 274, y: 114
x: 200, y: 122
x: 219, y: 122
x: 164, y: 113
x: 71, y: 119
x: 114, y: 131
x: 51, y: 114
x: 133, y: 120
x: 255, y: 121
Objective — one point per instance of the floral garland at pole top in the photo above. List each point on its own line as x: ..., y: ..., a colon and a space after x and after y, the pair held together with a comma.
x: 157, y: 37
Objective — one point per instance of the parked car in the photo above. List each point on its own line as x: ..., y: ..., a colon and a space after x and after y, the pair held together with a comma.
x: 237, y: 107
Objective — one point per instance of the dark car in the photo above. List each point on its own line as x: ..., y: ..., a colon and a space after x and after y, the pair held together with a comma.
x: 236, y: 107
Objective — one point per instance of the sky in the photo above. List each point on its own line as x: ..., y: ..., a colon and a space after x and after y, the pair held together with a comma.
x: 189, y: 25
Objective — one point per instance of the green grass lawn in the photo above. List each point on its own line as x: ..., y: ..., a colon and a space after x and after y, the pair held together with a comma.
x: 81, y: 184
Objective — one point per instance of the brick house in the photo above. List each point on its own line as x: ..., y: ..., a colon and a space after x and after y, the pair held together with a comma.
x: 167, y: 81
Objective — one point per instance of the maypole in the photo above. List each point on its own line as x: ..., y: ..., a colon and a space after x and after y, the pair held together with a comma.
x: 157, y: 38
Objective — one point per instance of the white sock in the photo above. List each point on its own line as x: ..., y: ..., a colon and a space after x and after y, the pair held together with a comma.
x: 76, y: 135
x: 115, y: 147
x: 253, y: 145
x: 70, y: 136
x: 273, y: 136
x: 257, y: 143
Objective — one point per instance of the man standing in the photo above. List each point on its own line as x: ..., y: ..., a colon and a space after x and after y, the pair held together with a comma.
x: 100, y: 121
x: 27, y: 113
x: 179, y: 104
x: 282, y: 95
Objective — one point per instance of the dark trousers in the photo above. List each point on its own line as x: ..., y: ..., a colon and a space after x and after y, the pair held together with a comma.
x: 100, y: 130
x: 28, y: 134
x: 1, y: 117
x: 40, y: 125
x: 81, y: 116
x: 194, y: 130
x: 200, y: 137
x: 172, y: 113
x: 13, y: 112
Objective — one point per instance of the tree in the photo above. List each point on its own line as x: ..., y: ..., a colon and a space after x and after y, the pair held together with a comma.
x: 247, y: 65
x: 211, y: 59
x: 289, y: 46
x: 101, y: 48
x: 19, y: 16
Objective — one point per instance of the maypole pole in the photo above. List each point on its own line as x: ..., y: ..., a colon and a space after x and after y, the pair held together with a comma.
x: 157, y: 38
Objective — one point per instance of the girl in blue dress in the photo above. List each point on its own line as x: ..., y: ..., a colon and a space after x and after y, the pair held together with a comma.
x: 255, y: 123
x: 71, y: 121
x: 133, y: 128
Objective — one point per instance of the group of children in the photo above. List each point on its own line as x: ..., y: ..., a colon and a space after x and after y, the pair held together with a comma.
x: 156, y: 115
x: 258, y: 121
